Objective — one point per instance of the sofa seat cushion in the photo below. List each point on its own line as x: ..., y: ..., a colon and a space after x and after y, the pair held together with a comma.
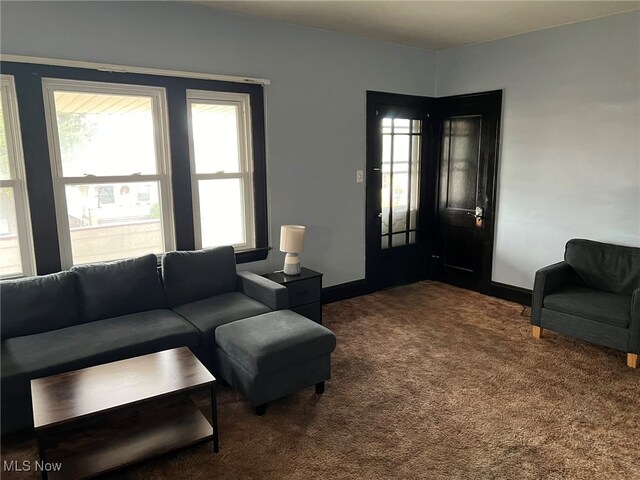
x: 88, y: 344
x: 595, y: 305
x: 208, y: 314
x: 274, y: 341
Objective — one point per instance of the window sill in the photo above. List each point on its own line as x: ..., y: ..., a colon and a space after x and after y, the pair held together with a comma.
x: 252, y: 255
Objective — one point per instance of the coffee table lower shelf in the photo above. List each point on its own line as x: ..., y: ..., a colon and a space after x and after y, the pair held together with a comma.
x: 117, y: 446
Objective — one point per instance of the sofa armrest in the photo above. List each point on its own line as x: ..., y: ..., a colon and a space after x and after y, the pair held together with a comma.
x: 634, y: 325
x: 548, y: 279
x: 272, y: 294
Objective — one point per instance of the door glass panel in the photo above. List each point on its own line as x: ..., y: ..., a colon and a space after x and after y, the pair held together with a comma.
x: 399, y: 239
x: 400, y: 179
x: 386, y: 125
x: 463, y: 143
x: 400, y: 194
x: 401, y: 148
x: 401, y: 125
x: 87, y: 125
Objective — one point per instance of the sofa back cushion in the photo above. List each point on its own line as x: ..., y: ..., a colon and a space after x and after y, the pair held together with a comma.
x: 194, y: 275
x: 38, y: 304
x: 119, y: 288
x: 611, y: 268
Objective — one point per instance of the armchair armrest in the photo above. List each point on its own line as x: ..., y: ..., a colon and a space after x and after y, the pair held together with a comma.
x: 634, y: 325
x: 272, y: 294
x: 547, y: 280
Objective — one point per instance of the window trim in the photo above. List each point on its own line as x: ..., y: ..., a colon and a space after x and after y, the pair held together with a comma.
x: 163, y: 169
x: 28, y: 78
x: 245, y: 150
x: 18, y: 179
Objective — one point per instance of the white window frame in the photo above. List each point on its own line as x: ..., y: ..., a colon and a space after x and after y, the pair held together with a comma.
x: 161, y: 137
x: 245, y: 151
x: 18, y: 180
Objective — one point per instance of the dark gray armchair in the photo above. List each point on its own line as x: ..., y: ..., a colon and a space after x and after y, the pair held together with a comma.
x: 594, y: 295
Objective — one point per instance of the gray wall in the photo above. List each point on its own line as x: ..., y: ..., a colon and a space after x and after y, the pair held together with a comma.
x: 570, y: 153
x: 315, y: 104
x: 570, y: 148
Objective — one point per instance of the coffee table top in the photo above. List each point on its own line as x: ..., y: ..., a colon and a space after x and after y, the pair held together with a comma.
x: 68, y: 396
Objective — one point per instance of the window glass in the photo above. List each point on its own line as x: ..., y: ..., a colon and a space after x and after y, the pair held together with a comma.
x: 103, y: 134
x: 16, y: 246
x: 222, y: 212
x: 108, y: 222
x: 10, y: 256
x: 215, y: 137
x: 5, y: 172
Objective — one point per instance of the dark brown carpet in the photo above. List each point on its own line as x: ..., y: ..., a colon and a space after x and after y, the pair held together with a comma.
x: 434, y: 382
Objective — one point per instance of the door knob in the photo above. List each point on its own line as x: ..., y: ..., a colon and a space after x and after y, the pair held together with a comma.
x: 479, y: 213
x: 380, y: 215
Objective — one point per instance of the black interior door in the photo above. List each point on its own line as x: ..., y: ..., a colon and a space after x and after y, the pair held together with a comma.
x: 397, y: 141
x: 469, y: 132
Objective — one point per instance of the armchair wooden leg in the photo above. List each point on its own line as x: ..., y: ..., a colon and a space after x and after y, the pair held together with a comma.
x: 536, y: 331
x: 632, y: 360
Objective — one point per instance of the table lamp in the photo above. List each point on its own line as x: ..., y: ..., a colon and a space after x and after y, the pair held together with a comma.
x: 292, y: 243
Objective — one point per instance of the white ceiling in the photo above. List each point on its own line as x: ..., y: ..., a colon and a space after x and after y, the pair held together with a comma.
x: 433, y: 25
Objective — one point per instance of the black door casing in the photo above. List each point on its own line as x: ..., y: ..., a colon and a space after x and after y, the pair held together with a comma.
x: 458, y: 173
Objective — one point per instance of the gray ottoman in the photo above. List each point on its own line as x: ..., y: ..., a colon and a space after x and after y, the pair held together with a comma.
x: 273, y: 355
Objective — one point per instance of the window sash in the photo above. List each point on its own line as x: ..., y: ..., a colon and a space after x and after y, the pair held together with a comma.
x: 242, y: 101
x: 18, y: 180
x: 161, y: 143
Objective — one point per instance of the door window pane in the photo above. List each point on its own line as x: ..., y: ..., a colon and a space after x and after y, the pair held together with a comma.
x: 464, y: 140
x: 109, y: 221
x: 10, y: 257
x: 401, y: 145
x: 215, y: 138
x: 221, y: 212
x: 399, y: 239
x: 102, y: 134
x: 401, y: 148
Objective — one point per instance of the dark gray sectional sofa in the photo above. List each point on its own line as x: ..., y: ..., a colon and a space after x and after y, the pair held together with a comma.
x: 101, y: 313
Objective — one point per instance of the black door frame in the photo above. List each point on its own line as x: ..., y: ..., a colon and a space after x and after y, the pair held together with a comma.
x: 428, y: 177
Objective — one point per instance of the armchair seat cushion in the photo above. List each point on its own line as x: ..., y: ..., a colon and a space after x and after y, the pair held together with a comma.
x: 595, y: 305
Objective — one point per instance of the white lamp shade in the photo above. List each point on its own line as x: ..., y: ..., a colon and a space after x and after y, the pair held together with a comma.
x: 292, y: 238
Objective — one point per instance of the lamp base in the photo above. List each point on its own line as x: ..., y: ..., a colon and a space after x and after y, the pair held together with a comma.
x: 291, y: 264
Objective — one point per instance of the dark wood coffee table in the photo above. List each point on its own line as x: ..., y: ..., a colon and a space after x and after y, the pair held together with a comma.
x: 105, y: 417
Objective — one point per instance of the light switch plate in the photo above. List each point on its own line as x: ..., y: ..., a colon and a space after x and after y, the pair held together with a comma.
x: 359, y: 176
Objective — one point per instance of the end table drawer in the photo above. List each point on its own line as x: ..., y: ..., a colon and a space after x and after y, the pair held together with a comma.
x: 303, y: 292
